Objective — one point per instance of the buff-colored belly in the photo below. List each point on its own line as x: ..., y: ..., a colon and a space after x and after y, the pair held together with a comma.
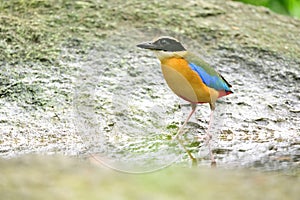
x: 179, y: 84
x: 185, y: 82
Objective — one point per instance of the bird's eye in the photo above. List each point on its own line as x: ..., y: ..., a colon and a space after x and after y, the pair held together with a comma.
x: 164, y: 42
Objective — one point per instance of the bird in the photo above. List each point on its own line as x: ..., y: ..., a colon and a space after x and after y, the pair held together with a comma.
x: 190, y: 78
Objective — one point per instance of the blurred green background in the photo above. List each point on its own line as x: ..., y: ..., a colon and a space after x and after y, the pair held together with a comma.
x: 286, y: 7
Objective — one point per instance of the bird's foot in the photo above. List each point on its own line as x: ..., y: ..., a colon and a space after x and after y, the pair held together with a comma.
x: 213, y: 164
x: 206, y: 140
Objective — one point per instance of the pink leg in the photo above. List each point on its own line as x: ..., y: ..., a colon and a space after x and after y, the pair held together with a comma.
x: 194, y: 106
x: 180, y: 132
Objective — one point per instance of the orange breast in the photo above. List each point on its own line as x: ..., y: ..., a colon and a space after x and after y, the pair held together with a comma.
x: 185, y: 82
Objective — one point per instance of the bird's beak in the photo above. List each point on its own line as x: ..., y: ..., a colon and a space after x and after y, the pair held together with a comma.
x: 147, y: 45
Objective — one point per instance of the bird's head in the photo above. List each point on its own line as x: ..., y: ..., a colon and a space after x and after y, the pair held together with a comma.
x: 164, y: 47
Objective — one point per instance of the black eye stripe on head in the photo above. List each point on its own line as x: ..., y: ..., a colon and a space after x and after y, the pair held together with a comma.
x: 168, y: 44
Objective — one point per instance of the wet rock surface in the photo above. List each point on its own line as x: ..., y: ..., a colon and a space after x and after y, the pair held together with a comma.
x: 105, y: 97
x: 256, y: 127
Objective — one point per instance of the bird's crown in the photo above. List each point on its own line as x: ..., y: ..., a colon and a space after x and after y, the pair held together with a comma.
x: 163, y: 43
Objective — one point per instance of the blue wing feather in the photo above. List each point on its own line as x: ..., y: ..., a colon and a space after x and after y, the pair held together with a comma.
x: 211, y: 81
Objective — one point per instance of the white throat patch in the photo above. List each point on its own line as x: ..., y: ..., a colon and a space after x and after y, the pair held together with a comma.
x: 166, y: 54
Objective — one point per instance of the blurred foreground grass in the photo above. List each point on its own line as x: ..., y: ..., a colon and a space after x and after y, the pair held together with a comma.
x: 55, y: 177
